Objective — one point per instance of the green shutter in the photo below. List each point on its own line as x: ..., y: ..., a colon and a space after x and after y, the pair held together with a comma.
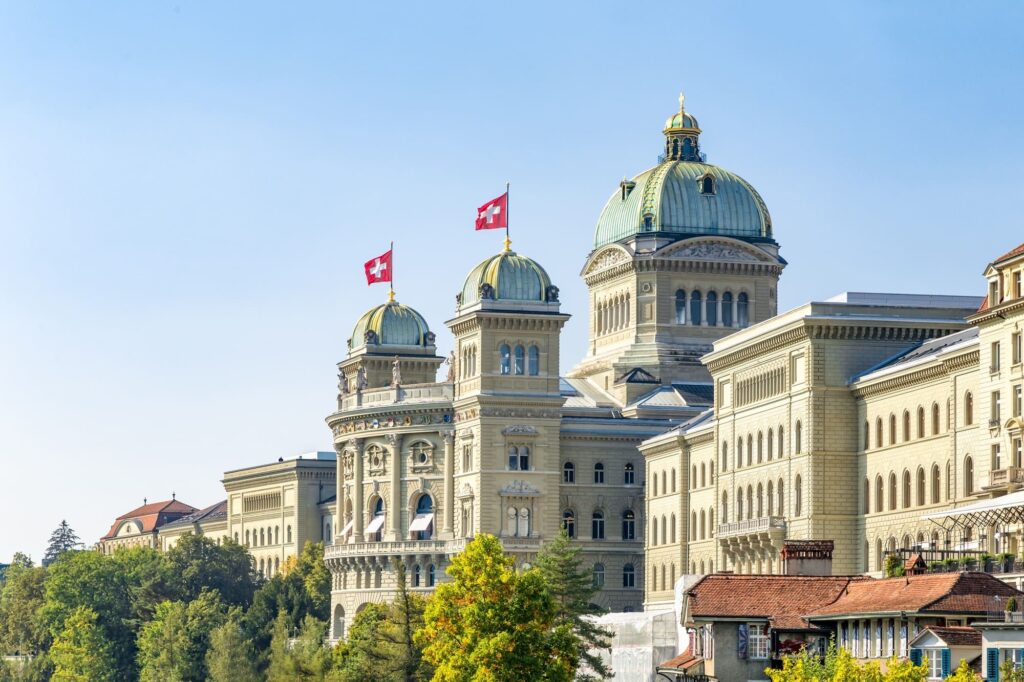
x: 946, y: 664
x: 915, y: 656
x: 992, y: 665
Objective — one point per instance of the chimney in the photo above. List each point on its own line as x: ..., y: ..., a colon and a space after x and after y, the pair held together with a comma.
x: 807, y: 557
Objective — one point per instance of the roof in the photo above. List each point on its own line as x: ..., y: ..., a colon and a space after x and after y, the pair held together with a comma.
x: 683, y: 661
x: 391, y: 324
x: 214, y: 512
x: 508, y: 276
x: 1007, y: 508
x: 922, y: 353
x: 781, y: 599
x: 152, y: 516
x: 677, y: 395
x: 966, y: 592
x: 1012, y: 253
x: 959, y: 635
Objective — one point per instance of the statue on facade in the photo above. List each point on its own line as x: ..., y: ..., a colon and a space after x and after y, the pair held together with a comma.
x: 361, y: 378
x: 396, y: 373
x: 451, y: 367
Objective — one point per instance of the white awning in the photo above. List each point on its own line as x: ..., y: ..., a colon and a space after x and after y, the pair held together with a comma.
x: 347, y: 529
x: 421, y: 522
x: 376, y: 524
x: 993, y: 512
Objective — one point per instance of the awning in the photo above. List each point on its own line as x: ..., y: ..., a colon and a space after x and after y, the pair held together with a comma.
x: 421, y: 522
x: 997, y: 511
x: 347, y: 529
x: 376, y: 524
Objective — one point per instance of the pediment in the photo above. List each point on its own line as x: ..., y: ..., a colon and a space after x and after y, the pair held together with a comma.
x: 607, y: 257
x: 714, y: 250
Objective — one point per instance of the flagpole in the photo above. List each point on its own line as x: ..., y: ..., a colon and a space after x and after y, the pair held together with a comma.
x: 391, y: 282
x: 508, y: 242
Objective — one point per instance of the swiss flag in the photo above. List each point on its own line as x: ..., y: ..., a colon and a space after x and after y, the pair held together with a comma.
x: 378, y: 269
x: 493, y: 214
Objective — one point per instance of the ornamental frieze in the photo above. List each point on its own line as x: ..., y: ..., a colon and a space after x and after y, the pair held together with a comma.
x: 390, y: 422
x: 519, y: 413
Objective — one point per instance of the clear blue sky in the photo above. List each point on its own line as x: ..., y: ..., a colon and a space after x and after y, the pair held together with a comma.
x: 188, y: 192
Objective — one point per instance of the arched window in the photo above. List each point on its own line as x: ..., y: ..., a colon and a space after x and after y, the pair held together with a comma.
x: 289, y: 531
x: 782, y: 499
x: 760, y: 447
x: 906, y: 489
x: 920, y: 486
x: 569, y: 523
x: 920, y: 422
x: 879, y: 494
x: 568, y: 473
x: 506, y: 358
x: 533, y: 366
x: 703, y: 524
x: 968, y: 408
x: 695, y: 308
x: 654, y: 484
x: 867, y: 434
x: 798, y: 500
x: 782, y: 451
x: 936, y: 484
x: 739, y: 451
x: 878, y: 432
x: 417, y: 575
x: 628, y: 474
x: 520, y: 363
x: 519, y: 458
x: 422, y: 525
x: 654, y: 531
x: 760, y: 501
x: 798, y: 433
x: 707, y: 185
x: 750, y: 449
x: 693, y: 526
x: 599, y: 473
x: 672, y: 527
x: 892, y: 429
x: 906, y: 425
x: 742, y: 318
x: 727, y: 309
x: 263, y: 538
x: 771, y: 444
x: 674, y: 479
x: 725, y: 457
x: 597, y: 525
x: 725, y: 507
x: 935, y: 419
x: 680, y: 306
x: 703, y: 475
x: 739, y: 503
x: 376, y: 526
x: 750, y: 501
x: 867, y: 496
x: 431, y: 575
x: 892, y: 491
x: 968, y: 476
x: 628, y: 525
x: 628, y: 576
x: 664, y: 487
x: 711, y: 308
x: 598, y: 575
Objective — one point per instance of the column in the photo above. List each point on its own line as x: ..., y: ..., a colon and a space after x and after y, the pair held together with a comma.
x: 719, y: 321
x: 735, y: 319
x: 339, y: 495
x: 447, y: 526
x: 357, y: 494
x: 395, y: 513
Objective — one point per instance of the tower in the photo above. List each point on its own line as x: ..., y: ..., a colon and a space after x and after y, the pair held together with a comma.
x: 684, y: 254
x: 507, y: 402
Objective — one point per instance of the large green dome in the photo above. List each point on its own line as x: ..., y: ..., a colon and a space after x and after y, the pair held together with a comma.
x: 683, y: 195
x: 391, y: 324
x: 509, y: 277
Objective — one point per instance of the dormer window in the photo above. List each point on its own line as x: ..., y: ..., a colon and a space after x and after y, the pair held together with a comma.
x: 707, y: 185
x: 648, y: 222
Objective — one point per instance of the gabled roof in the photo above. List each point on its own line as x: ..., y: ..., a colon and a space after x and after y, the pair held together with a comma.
x: 637, y: 375
x: 684, y: 661
x: 214, y: 512
x: 781, y: 599
x: 152, y: 516
x: 932, y: 592
x: 1010, y: 254
x: 959, y: 635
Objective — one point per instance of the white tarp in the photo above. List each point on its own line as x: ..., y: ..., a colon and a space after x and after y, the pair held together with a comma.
x: 421, y: 522
x: 376, y: 524
x: 994, y: 512
x: 347, y: 529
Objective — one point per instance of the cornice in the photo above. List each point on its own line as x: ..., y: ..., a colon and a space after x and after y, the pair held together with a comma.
x: 1000, y: 311
x: 759, y: 348
x: 939, y: 369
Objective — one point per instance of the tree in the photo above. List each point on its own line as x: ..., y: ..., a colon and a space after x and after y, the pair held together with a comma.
x: 573, y: 589
x: 174, y: 644
x: 63, y: 539
x: 81, y: 652
x: 1008, y: 672
x: 963, y: 673
x: 150, y: 581
x: 362, y: 655
x: 21, y: 596
x: 199, y: 563
x: 230, y: 657
x: 304, y: 658
x: 493, y: 623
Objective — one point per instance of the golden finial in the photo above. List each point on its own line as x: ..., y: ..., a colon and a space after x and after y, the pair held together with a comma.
x: 682, y: 98
x: 508, y: 244
x: 391, y: 295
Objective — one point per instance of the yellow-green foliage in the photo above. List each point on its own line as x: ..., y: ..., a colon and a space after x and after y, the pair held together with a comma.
x: 963, y: 673
x: 840, y: 666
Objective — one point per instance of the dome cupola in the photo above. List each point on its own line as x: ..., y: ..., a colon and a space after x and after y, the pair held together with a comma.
x: 508, y: 276
x: 682, y: 136
x: 391, y: 324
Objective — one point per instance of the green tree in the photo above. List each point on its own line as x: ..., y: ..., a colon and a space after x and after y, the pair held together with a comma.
x: 362, y: 655
x: 199, y: 563
x: 1008, y: 672
x: 81, y: 652
x: 150, y: 581
x: 230, y: 657
x: 95, y: 582
x: 493, y: 623
x: 963, y: 673
x: 301, y: 658
x: 573, y: 589
x: 21, y: 596
x: 63, y: 539
x: 173, y: 646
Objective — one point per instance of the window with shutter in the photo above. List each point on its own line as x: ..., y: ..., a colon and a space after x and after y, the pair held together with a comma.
x: 992, y: 664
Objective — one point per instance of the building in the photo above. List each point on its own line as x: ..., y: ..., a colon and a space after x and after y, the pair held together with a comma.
x: 141, y: 526
x: 684, y: 254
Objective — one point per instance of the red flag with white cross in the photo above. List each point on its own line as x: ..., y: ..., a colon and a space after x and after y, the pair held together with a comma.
x: 493, y: 214
x: 379, y: 269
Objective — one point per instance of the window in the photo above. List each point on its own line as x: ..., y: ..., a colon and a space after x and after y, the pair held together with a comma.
x: 599, y: 473
x: 742, y: 317
x: 892, y: 491
x: 725, y: 507
x: 598, y: 575
x: 936, y: 484
x: 375, y: 529
x: 628, y: 576
x: 628, y: 525
x: 760, y: 447
x: 506, y: 358
x: 727, y: 309
x: 707, y: 185
x: 628, y: 474
x: 680, y: 307
x: 867, y: 435
x: 995, y: 405
x: 935, y: 419
x: 968, y: 408
x: 892, y: 429
x: 771, y: 444
x: 1015, y: 346
x: 997, y: 457
x: 533, y: 366
x: 994, y: 367
x: 703, y: 474
x: 797, y: 437
x: 417, y: 575
x: 674, y: 478
x: 781, y: 442
x: 739, y: 452
x: 906, y: 489
x: 519, y: 458
x: 879, y: 494
x: 711, y: 308
x: 758, y: 641
x: 798, y: 497
x: 568, y: 473
x: 1018, y: 401
x: 431, y: 575
x: 920, y: 422
x: 878, y: 432
x: 520, y: 361
x: 569, y: 523
x: 920, y: 487
x: 1018, y: 452
x: 422, y: 525
x: 739, y: 504
x: 906, y: 426
x: 934, y: 657
x: 725, y: 457
x: 695, y: 308
x: 597, y: 526
x: 968, y: 476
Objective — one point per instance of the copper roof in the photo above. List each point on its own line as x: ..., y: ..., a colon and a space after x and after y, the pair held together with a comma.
x: 932, y: 592
x: 784, y: 600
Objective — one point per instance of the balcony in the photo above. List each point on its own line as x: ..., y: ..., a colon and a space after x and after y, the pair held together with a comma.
x: 765, y: 524
x: 390, y: 395
x: 420, y: 547
x: 1010, y: 477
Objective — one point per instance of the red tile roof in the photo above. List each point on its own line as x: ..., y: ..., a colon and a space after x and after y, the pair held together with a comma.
x: 784, y: 600
x: 683, y: 661
x: 152, y: 516
x: 934, y: 592
x: 1010, y: 254
x: 959, y: 635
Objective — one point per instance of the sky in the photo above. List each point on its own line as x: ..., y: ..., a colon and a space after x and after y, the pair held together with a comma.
x: 188, y: 192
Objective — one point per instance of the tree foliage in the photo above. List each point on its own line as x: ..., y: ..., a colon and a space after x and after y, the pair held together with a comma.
x: 301, y: 658
x: 21, y: 596
x: 81, y: 652
x: 963, y: 673
x: 173, y: 646
x: 494, y: 623
x: 199, y: 563
x: 839, y: 665
x: 63, y: 539
x: 231, y: 657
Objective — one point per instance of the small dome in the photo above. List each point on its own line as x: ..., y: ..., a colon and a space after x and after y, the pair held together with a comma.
x: 509, y: 277
x: 391, y: 324
x: 681, y: 120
